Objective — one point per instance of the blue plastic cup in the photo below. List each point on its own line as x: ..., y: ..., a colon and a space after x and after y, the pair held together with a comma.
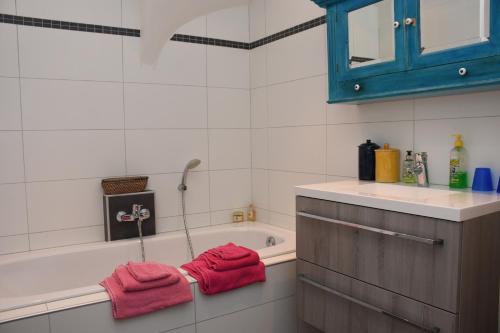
x: 483, y: 180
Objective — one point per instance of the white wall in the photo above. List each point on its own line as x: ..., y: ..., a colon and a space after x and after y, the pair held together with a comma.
x: 298, y: 139
x: 76, y: 107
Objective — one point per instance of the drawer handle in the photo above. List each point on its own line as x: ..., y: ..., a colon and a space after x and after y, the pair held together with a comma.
x: 308, y: 281
x: 428, y: 241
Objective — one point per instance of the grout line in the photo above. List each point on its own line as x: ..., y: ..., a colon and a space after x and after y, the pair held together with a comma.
x: 414, y: 124
x: 22, y: 136
x: 123, y: 105
x: 98, y: 178
x: 248, y: 308
x: 210, y: 181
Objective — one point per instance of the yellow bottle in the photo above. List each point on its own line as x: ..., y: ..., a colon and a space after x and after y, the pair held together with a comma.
x: 387, y: 165
x: 251, y: 215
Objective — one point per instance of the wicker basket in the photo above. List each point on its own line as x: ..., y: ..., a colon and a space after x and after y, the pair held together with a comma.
x: 124, y: 185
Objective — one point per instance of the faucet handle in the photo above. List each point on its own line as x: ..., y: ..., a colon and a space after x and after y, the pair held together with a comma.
x: 121, y: 216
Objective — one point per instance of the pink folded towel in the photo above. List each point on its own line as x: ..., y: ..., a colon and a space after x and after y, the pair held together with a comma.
x: 130, y: 304
x: 230, y: 252
x: 217, y: 264
x: 129, y: 283
x: 148, y: 271
x: 213, y: 282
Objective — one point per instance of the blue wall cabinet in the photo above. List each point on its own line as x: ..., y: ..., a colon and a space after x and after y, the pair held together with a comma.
x: 385, y: 49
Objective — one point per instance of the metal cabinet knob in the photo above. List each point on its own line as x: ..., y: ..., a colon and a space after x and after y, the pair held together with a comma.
x: 462, y: 71
x: 410, y: 21
x: 357, y: 87
x: 396, y: 24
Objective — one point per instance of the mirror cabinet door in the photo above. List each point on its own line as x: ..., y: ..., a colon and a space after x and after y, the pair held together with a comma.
x: 447, y: 24
x: 371, y: 34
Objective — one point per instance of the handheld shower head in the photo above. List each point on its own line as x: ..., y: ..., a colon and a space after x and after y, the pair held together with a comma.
x: 190, y: 165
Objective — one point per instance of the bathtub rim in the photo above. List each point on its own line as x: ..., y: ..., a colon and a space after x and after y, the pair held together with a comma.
x: 95, y: 293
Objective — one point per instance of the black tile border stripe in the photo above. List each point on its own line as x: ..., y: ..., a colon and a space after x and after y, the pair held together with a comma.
x: 210, y: 41
x: 289, y: 32
x: 63, y: 25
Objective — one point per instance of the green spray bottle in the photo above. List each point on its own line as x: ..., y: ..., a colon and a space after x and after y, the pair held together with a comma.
x: 458, y: 166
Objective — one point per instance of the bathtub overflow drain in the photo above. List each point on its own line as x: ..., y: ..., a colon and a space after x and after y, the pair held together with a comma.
x: 270, y: 241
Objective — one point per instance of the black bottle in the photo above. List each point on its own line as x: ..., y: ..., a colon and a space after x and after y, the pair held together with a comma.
x: 367, y: 160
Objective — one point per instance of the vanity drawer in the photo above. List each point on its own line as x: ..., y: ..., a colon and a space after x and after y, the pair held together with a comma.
x: 332, y: 302
x: 414, y: 256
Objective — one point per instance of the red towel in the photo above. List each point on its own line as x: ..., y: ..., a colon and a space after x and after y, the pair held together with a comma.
x: 148, y: 271
x: 217, y: 264
x: 129, y: 283
x: 130, y: 304
x: 213, y: 282
x: 230, y: 252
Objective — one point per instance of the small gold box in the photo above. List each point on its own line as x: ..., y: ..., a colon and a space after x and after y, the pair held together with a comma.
x: 238, y: 216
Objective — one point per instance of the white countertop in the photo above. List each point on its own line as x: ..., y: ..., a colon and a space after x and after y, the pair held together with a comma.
x: 436, y: 202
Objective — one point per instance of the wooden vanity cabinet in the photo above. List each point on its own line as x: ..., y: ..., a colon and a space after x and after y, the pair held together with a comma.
x: 363, y: 269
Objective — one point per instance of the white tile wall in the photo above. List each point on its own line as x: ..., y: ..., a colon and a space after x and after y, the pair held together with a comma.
x: 229, y: 149
x: 230, y: 189
x: 14, y: 244
x: 10, y: 107
x: 284, y: 14
x: 298, y: 139
x: 72, y: 55
x: 63, y: 104
x: 13, y: 206
x: 80, y: 106
x: 272, y: 317
x: 165, y: 106
x: 281, y: 193
x: 164, y: 151
x: 298, y: 56
x: 258, y: 67
x: 8, y: 7
x: 260, y: 148
x: 131, y: 16
x: 259, y: 107
x: 8, y: 39
x: 103, y: 12
x: 178, y: 63
x: 228, y: 67
x: 38, y: 324
x: 55, y: 155
x: 299, y: 149
x: 297, y: 103
x: 257, y: 12
x: 228, y: 108
x: 229, y: 24
x: 11, y: 150
x: 51, y: 203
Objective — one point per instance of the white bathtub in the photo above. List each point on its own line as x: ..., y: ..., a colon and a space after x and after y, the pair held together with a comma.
x: 44, y: 276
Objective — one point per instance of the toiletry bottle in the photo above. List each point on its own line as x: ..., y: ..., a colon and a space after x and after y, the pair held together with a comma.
x: 421, y: 169
x: 409, y: 169
x: 366, y: 160
x: 251, y: 215
x: 388, y: 165
x: 458, y: 168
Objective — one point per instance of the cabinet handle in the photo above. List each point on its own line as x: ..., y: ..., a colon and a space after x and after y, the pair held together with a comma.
x: 357, y: 87
x: 428, y: 241
x: 410, y: 21
x: 351, y: 299
x: 462, y: 71
x: 396, y: 24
